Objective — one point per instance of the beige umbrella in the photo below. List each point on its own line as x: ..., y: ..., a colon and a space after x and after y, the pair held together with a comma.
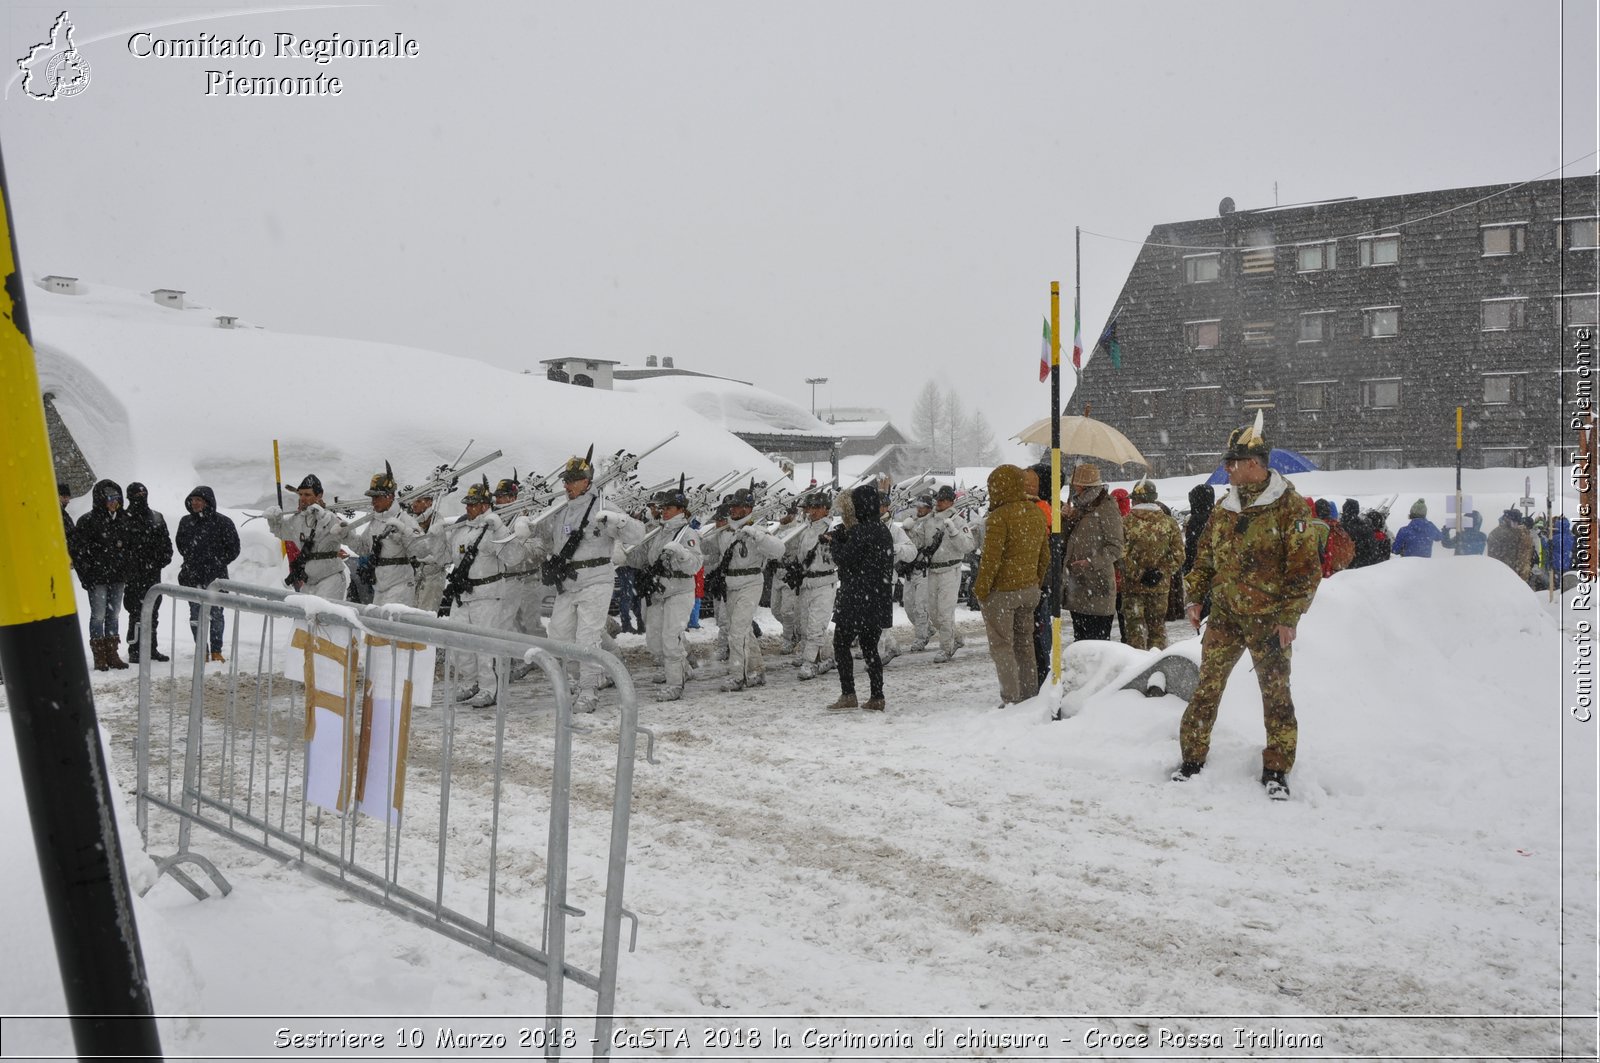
x: 1087, y: 437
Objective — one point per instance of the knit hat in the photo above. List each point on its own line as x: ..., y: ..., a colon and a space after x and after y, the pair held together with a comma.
x: 1419, y: 508
x: 1085, y: 475
x: 310, y: 482
x: 1325, y: 509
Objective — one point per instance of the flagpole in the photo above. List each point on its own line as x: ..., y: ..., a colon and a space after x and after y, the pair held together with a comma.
x: 1055, y: 482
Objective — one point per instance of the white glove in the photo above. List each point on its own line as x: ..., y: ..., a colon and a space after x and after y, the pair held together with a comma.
x: 315, y: 509
x: 272, y: 512
x: 522, y: 527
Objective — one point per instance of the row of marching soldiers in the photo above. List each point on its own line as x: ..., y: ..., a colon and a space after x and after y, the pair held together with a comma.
x: 493, y: 574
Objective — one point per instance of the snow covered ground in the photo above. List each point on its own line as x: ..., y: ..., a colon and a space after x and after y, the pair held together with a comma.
x: 1430, y: 890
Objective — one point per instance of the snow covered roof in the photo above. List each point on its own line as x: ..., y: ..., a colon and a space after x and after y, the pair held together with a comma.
x: 734, y: 406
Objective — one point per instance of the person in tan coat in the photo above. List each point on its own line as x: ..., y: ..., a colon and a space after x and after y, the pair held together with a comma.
x: 1093, y: 527
x: 1016, y: 560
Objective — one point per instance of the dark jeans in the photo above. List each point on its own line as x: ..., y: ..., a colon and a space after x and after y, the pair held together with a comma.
x: 867, y: 635
x: 1087, y: 626
x: 132, y: 600
x: 1043, y: 635
x: 630, y: 610
x: 216, y: 624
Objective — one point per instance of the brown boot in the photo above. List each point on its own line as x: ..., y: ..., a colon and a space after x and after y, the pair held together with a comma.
x: 874, y: 705
x: 844, y: 704
x: 113, y: 658
x: 98, y: 647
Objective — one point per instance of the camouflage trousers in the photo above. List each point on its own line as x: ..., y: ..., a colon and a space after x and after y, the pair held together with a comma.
x: 1226, y: 639
x: 1144, y: 620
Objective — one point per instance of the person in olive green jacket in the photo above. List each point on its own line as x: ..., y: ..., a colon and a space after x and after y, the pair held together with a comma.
x: 1016, y: 559
x: 1257, y: 559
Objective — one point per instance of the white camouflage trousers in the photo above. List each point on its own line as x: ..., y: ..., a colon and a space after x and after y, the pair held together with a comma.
x: 941, y: 589
x: 744, y: 649
x: 332, y: 587
x: 783, y: 609
x: 914, y: 597
x: 478, y: 669
x: 580, y: 616
x: 524, y: 596
x: 816, y: 612
x: 665, y: 619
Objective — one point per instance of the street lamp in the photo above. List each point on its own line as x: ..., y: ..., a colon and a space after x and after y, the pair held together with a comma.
x: 814, y: 381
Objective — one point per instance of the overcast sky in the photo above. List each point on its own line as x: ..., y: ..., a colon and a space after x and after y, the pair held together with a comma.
x: 877, y: 193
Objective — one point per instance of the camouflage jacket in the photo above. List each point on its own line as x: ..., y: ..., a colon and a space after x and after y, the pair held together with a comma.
x: 1150, y: 540
x: 1260, y: 559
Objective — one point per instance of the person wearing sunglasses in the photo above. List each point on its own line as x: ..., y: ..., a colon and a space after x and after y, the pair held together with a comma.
x: 1257, y: 559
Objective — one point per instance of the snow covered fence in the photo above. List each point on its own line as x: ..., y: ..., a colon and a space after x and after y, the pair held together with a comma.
x: 326, y: 742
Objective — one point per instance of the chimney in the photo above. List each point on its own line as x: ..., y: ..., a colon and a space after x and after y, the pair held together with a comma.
x: 225, y: 320
x: 666, y: 362
x: 650, y: 362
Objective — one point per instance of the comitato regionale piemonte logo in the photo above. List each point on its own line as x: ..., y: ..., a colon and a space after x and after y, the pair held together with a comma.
x: 55, y: 69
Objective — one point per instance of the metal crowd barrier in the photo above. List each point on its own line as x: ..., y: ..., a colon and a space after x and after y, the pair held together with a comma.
x: 233, y: 757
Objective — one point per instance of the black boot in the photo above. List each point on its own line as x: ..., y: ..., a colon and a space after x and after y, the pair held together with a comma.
x: 1187, y: 770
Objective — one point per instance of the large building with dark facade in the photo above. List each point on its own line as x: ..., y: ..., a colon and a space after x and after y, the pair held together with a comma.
x: 1358, y: 326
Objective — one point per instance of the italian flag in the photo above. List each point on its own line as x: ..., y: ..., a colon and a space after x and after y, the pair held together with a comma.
x: 1044, y: 354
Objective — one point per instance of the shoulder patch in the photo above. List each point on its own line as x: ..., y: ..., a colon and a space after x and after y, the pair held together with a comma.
x: 1299, y: 526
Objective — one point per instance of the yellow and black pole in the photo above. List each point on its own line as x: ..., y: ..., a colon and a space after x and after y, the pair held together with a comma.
x: 1460, y: 441
x: 52, y: 714
x: 1055, y: 482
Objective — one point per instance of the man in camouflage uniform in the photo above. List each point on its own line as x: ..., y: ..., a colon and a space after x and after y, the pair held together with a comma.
x: 1152, y: 554
x: 1257, y: 559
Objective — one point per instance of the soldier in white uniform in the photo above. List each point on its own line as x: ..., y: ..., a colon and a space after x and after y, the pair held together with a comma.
x: 667, y: 562
x: 783, y: 599
x: 942, y: 541
x: 575, y: 539
x: 482, y: 543
x: 736, y: 556
x: 914, y: 595
x: 428, y: 573
x: 317, y: 534
x: 811, y: 557
x: 904, y: 554
x: 524, y: 593
x: 392, y: 540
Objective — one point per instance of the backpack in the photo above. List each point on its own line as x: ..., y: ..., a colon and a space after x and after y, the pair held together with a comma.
x: 1341, y: 549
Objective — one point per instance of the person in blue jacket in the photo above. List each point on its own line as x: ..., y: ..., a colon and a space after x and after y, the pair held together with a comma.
x: 1472, y: 539
x: 1561, y: 546
x: 1416, y: 539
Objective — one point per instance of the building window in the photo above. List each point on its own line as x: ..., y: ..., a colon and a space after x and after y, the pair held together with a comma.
x: 1326, y: 460
x: 1202, y: 402
x: 1201, y: 269
x: 1580, y: 310
x: 1505, y: 239
x: 1316, y: 327
x: 557, y: 374
x: 1258, y: 333
x: 1378, y: 322
x: 1202, y: 335
x: 1309, y: 258
x: 1312, y: 396
x: 1380, y: 250
x: 583, y: 380
x: 1146, y: 404
x: 1501, y: 389
x: 1380, y: 394
x: 1257, y: 254
x: 1502, y: 457
x: 1381, y: 459
x: 1502, y: 314
x: 1581, y: 233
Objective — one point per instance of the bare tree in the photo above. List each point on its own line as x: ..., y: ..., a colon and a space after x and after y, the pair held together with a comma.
x: 947, y: 437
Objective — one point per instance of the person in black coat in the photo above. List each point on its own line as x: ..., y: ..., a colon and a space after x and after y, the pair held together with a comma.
x: 64, y: 493
x: 863, y: 553
x: 209, y: 543
x: 149, y: 551
x: 1202, y: 500
x: 100, y: 556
